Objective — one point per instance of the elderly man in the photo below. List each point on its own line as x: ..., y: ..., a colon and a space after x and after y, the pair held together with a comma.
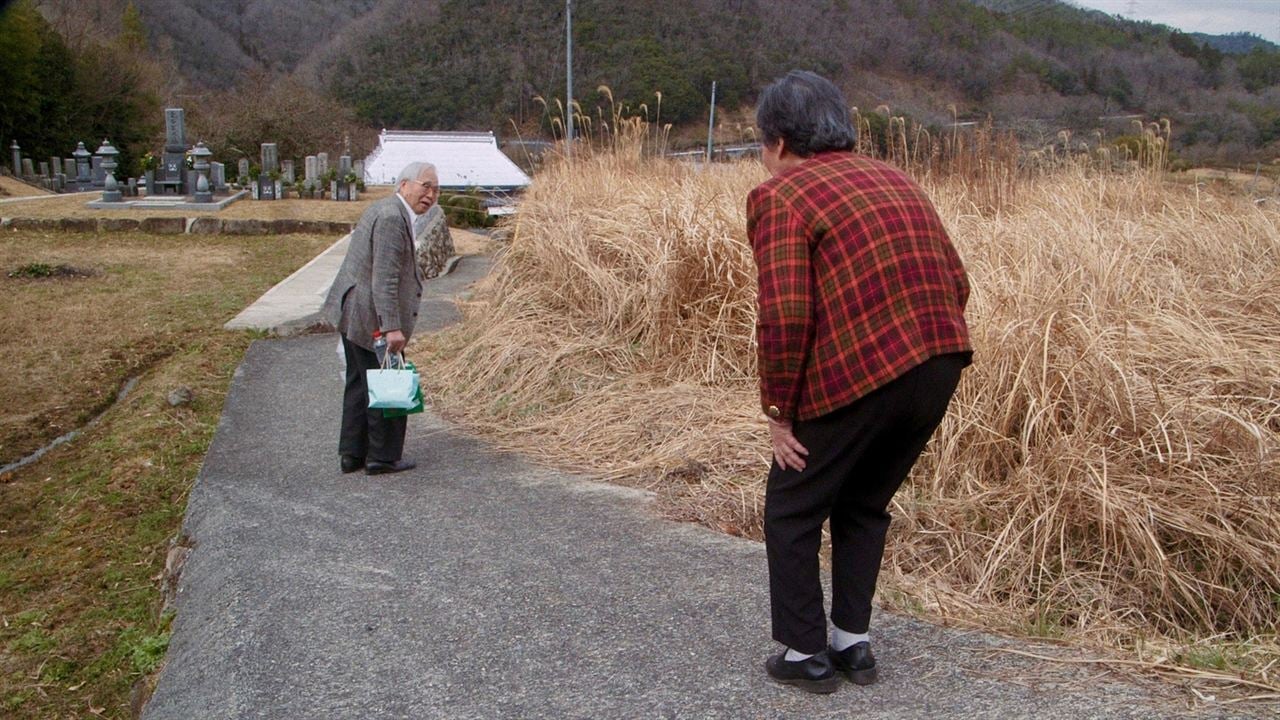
x: 378, y: 288
x: 862, y: 340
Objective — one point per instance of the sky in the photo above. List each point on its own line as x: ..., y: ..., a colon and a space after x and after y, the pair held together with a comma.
x: 1216, y: 17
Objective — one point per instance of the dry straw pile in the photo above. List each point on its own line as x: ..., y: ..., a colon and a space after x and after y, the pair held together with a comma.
x: 1109, y: 471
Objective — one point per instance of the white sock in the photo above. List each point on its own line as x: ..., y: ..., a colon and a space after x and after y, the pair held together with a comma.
x: 793, y: 656
x: 842, y: 640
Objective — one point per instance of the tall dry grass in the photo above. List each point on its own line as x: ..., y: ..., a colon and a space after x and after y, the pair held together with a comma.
x: 1109, y: 471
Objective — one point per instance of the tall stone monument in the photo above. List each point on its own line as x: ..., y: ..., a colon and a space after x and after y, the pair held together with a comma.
x: 172, y: 173
x: 270, y: 165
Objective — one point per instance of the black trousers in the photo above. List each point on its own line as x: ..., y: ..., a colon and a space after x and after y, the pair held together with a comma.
x: 366, y: 433
x: 858, y: 457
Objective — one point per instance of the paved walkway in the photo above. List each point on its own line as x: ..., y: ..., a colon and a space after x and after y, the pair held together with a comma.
x: 482, y: 586
x: 295, y: 301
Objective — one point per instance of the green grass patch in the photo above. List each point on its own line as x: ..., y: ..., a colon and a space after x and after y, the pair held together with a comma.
x: 84, y: 532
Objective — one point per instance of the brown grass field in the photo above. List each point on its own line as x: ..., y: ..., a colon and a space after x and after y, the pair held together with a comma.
x: 84, y: 531
x: 1108, y: 474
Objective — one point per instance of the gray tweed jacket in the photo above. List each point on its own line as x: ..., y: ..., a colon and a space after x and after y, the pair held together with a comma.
x: 379, y: 285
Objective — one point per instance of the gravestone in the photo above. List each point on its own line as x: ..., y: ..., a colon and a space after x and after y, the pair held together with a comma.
x: 323, y: 159
x: 270, y: 158
x: 44, y: 169
x: 28, y: 170
x: 69, y: 167
x: 358, y: 169
x: 311, y: 170
x: 286, y: 171
x: 55, y: 166
x: 172, y: 173
x: 133, y: 187
x: 344, y: 165
x: 17, y: 158
x: 266, y: 188
x: 84, y: 172
x: 218, y: 176
x: 242, y: 169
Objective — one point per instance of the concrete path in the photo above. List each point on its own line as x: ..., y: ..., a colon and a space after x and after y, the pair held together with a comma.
x: 482, y: 586
x: 295, y: 301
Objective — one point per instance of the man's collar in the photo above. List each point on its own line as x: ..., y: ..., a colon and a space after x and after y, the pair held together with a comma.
x: 413, y: 216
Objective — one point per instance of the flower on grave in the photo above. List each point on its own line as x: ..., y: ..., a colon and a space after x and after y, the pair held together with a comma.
x: 149, y: 162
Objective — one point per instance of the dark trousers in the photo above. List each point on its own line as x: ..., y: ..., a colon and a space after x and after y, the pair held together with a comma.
x: 366, y: 433
x: 858, y: 457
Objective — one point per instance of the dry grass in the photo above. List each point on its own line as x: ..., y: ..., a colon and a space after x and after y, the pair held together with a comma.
x: 1109, y: 472
x: 84, y: 531
x: 68, y: 346
x: 11, y: 187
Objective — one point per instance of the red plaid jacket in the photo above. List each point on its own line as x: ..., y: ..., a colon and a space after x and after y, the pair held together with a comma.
x: 858, y: 283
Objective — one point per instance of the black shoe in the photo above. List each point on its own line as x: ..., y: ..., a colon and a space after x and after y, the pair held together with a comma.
x: 381, y: 468
x: 815, y: 674
x: 856, y: 662
x: 351, y: 463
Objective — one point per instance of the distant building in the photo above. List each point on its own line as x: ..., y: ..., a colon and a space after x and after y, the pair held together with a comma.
x: 463, y: 160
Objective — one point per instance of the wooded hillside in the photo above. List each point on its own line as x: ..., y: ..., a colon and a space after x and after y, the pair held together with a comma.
x: 1034, y: 65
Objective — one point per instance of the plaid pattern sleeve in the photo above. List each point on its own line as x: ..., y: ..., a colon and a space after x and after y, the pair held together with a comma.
x: 784, y: 328
x: 858, y: 283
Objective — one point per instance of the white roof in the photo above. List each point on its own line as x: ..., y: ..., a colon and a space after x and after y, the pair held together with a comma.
x: 463, y: 159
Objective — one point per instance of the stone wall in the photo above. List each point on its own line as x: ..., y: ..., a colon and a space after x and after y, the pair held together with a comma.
x: 181, y: 226
x: 435, y: 244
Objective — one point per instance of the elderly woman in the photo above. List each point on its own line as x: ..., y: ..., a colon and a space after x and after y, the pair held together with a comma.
x: 862, y: 340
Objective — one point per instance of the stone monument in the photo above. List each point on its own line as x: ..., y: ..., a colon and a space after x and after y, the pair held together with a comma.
x: 110, y: 188
x: 83, y: 167
x: 172, y: 172
x: 270, y: 164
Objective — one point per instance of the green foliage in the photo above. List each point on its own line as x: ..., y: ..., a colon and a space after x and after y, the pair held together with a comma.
x: 1207, y: 57
x: 1053, y: 74
x: 52, y: 97
x: 34, y: 270
x: 465, y: 209
x: 133, y: 33
x: 1264, y: 118
x: 1259, y: 69
x: 145, y: 651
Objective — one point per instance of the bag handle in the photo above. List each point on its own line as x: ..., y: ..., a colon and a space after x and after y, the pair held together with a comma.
x: 385, y: 362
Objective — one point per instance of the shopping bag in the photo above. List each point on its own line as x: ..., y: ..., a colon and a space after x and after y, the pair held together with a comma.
x: 418, y: 406
x: 389, y: 388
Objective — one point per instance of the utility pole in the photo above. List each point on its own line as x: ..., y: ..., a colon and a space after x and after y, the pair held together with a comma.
x: 568, y: 79
x: 711, y: 123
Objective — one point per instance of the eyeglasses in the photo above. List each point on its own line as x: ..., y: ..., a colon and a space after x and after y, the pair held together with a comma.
x: 426, y: 186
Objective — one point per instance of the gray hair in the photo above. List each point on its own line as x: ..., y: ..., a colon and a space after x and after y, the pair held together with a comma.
x: 413, y: 171
x: 808, y: 112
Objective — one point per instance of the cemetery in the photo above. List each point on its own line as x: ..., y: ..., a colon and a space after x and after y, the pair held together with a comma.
x: 185, y: 177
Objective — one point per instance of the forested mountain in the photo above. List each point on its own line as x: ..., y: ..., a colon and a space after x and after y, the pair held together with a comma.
x: 1035, y: 65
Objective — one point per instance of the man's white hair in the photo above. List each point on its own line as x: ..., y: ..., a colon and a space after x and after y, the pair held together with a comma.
x: 413, y: 171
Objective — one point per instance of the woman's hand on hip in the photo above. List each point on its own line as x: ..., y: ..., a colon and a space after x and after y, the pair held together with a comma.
x: 787, y: 450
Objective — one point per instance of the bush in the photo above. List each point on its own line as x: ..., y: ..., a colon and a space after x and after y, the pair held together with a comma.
x: 465, y: 209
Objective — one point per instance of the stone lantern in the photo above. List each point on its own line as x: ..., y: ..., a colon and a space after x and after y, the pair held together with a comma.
x: 110, y: 188
x: 82, y: 163
x: 200, y: 163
